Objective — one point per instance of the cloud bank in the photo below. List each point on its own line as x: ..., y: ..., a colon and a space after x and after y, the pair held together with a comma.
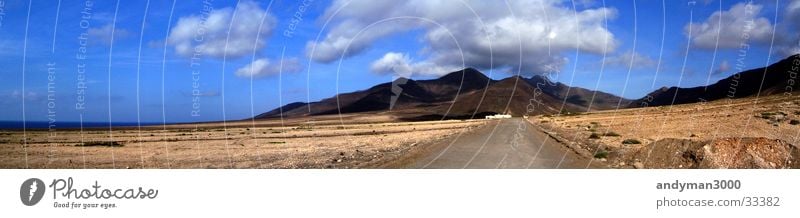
x: 208, y: 33
x: 264, y: 67
x: 731, y: 26
x: 530, y: 36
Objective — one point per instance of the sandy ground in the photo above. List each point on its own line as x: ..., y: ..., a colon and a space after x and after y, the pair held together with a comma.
x: 328, y: 142
x: 774, y: 117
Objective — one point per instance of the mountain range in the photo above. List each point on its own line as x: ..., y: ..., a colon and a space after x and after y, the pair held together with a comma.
x: 780, y: 77
x: 468, y: 93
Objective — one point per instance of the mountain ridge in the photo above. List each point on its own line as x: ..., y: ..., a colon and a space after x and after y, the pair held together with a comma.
x: 466, y: 93
x: 778, y: 77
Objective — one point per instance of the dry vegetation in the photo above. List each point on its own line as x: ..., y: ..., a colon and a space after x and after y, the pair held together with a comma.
x: 350, y: 142
x: 764, y: 131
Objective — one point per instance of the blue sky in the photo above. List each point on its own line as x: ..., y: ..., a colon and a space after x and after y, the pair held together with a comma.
x: 343, y: 46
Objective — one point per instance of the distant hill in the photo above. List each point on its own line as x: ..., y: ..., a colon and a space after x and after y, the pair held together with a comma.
x: 461, y: 94
x: 774, y: 79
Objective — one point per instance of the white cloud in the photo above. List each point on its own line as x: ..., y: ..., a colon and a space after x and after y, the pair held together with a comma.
x: 789, y: 36
x: 631, y: 59
x: 29, y: 96
x: 103, y: 34
x: 789, y: 48
x: 723, y: 67
x: 516, y: 36
x: 793, y: 13
x: 742, y: 24
x: 586, y: 3
x: 401, y: 65
x: 209, y: 33
x: 731, y: 25
x: 265, y: 67
x: 392, y: 63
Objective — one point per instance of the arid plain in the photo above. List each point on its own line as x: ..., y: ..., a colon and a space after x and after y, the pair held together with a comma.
x: 348, y: 141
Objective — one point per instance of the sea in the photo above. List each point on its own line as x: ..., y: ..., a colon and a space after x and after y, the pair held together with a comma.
x: 68, y: 125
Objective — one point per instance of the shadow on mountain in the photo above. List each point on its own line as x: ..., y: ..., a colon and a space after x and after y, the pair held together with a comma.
x: 780, y: 77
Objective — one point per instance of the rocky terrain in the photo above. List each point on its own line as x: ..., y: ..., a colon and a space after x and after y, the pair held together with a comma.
x: 730, y: 133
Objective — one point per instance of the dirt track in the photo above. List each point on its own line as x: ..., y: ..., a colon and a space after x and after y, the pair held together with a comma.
x: 507, y: 143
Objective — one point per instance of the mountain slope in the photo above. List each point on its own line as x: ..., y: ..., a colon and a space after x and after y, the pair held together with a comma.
x: 777, y: 78
x: 411, y: 93
x: 466, y: 93
x: 578, y: 96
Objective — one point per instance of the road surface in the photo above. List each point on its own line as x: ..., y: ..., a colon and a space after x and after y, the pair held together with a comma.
x: 506, y: 143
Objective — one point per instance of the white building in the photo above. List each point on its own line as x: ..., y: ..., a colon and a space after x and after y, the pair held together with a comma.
x: 498, y: 116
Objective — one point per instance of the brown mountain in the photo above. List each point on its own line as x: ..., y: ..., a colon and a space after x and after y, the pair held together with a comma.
x: 777, y: 78
x: 462, y: 94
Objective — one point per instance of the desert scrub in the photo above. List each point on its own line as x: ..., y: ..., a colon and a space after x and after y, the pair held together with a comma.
x: 610, y: 133
x: 794, y: 122
x: 631, y: 141
x: 594, y: 136
x: 98, y: 143
x: 776, y: 116
x: 602, y: 153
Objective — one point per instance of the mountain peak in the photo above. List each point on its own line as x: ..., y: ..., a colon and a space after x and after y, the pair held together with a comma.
x: 467, y: 74
x: 462, y: 93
